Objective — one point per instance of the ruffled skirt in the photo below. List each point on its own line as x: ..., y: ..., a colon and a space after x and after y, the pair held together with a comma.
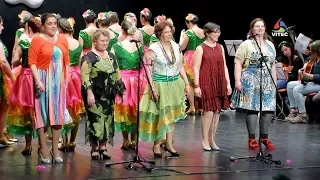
x: 126, y: 108
x: 20, y: 119
x: 157, y: 118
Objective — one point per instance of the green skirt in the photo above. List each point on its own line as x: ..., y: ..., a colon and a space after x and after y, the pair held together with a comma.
x: 156, y: 120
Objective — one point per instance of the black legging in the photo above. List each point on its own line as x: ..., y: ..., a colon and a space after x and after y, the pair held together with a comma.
x: 252, y: 119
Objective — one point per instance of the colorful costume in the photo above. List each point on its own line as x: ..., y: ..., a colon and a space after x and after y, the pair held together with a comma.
x: 126, y: 107
x: 87, y: 41
x: 20, y: 119
x: 52, y: 61
x: 113, y: 40
x: 158, y: 118
x: 19, y: 32
x: 146, y: 40
x: 194, y: 41
x: 102, y: 76
x: 74, y: 100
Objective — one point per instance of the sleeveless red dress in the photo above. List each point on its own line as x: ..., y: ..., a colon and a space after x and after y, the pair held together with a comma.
x: 212, y: 79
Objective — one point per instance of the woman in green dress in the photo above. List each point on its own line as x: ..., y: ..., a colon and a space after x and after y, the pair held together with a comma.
x: 85, y: 35
x: 74, y: 100
x: 103, y: 23
x: 4, y: 70
x: 101, y: 81
x: 24, y: 16
x: 189, y: 40
x: 20, y: 120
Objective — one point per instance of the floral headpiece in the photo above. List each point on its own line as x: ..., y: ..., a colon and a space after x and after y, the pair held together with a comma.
x: 24, y: 16
x: 190, y: 17
x: 87, y: 13
x: 71, y: 21
x: 161, y: 18
x: 102, y: 16
x: 145, y: 12
x: 58, y: 16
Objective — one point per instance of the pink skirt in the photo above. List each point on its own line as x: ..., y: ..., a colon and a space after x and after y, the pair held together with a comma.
x: 188, y: 64
x: 126, y: 108
x: 75, y: 103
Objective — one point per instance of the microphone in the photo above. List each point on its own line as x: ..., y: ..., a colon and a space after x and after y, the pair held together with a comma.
x: 291, y: 27
x: 134, y: 40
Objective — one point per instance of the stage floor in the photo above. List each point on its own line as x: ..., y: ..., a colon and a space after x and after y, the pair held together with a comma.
x: 297, y: 147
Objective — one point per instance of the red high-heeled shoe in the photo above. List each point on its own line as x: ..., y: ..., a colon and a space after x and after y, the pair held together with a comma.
x: 268, y: 144
x: 253, y: 144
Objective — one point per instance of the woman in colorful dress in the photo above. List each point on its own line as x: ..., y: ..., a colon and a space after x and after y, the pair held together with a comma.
x: 85, y: 35
x: 128, y: 58
x: 101, y: 83
x: 190, y: 40
x: 5, y: 70
x: 49, y: 62
x: 211, y: 83
x: 247, y: 82
x: 103, y: 23
x: 75, y: 103
x: 163, y: 105
x: 20, y: 119
x: 146, y: 30
x: 24, y: 16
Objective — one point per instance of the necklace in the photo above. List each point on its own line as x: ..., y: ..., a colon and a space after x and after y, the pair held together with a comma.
x: 169, y: 61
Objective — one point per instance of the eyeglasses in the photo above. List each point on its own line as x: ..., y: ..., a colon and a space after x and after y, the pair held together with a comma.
x: 217, y: 31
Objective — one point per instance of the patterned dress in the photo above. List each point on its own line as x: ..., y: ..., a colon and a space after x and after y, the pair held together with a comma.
x: 87, y: 40
x: 113, y: 40
x: 20, y: 119
x: 249, y: 97
x: 157, y: 118
x: 3, y: 84
x: 51, y: 106
x: 194, y: 41
x: 102, y: 76
x: 126, y: 107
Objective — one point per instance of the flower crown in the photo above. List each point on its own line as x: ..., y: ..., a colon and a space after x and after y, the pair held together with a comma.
x: 161, y: 18
x: 145, y: 12
x: 24, y: 16
x: 71, y: 21
x: 190, y: 17
x: 87, y: 13
x: 102, y: 16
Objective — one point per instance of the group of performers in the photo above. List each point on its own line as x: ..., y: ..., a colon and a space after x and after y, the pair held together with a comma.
x: 55, y: 79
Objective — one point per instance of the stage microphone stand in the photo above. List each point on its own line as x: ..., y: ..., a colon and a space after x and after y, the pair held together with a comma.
x: 138, y: 161
x: 260, y: 156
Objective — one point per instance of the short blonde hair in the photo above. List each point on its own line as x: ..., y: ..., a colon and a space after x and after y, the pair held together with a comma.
x: 98, y: 33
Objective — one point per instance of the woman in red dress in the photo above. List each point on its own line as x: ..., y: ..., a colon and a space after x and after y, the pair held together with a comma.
x: 212, y: 83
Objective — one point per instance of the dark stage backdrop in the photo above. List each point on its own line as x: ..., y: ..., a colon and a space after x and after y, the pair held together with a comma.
x: 234, y: 18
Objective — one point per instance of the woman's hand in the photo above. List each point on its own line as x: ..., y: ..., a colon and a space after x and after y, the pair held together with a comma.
x: 41, y: 86
x: 238, y: 86
x: 90, y: 98
x: 229, y: 90
x: 197, y: 92
x: 187, y: 89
